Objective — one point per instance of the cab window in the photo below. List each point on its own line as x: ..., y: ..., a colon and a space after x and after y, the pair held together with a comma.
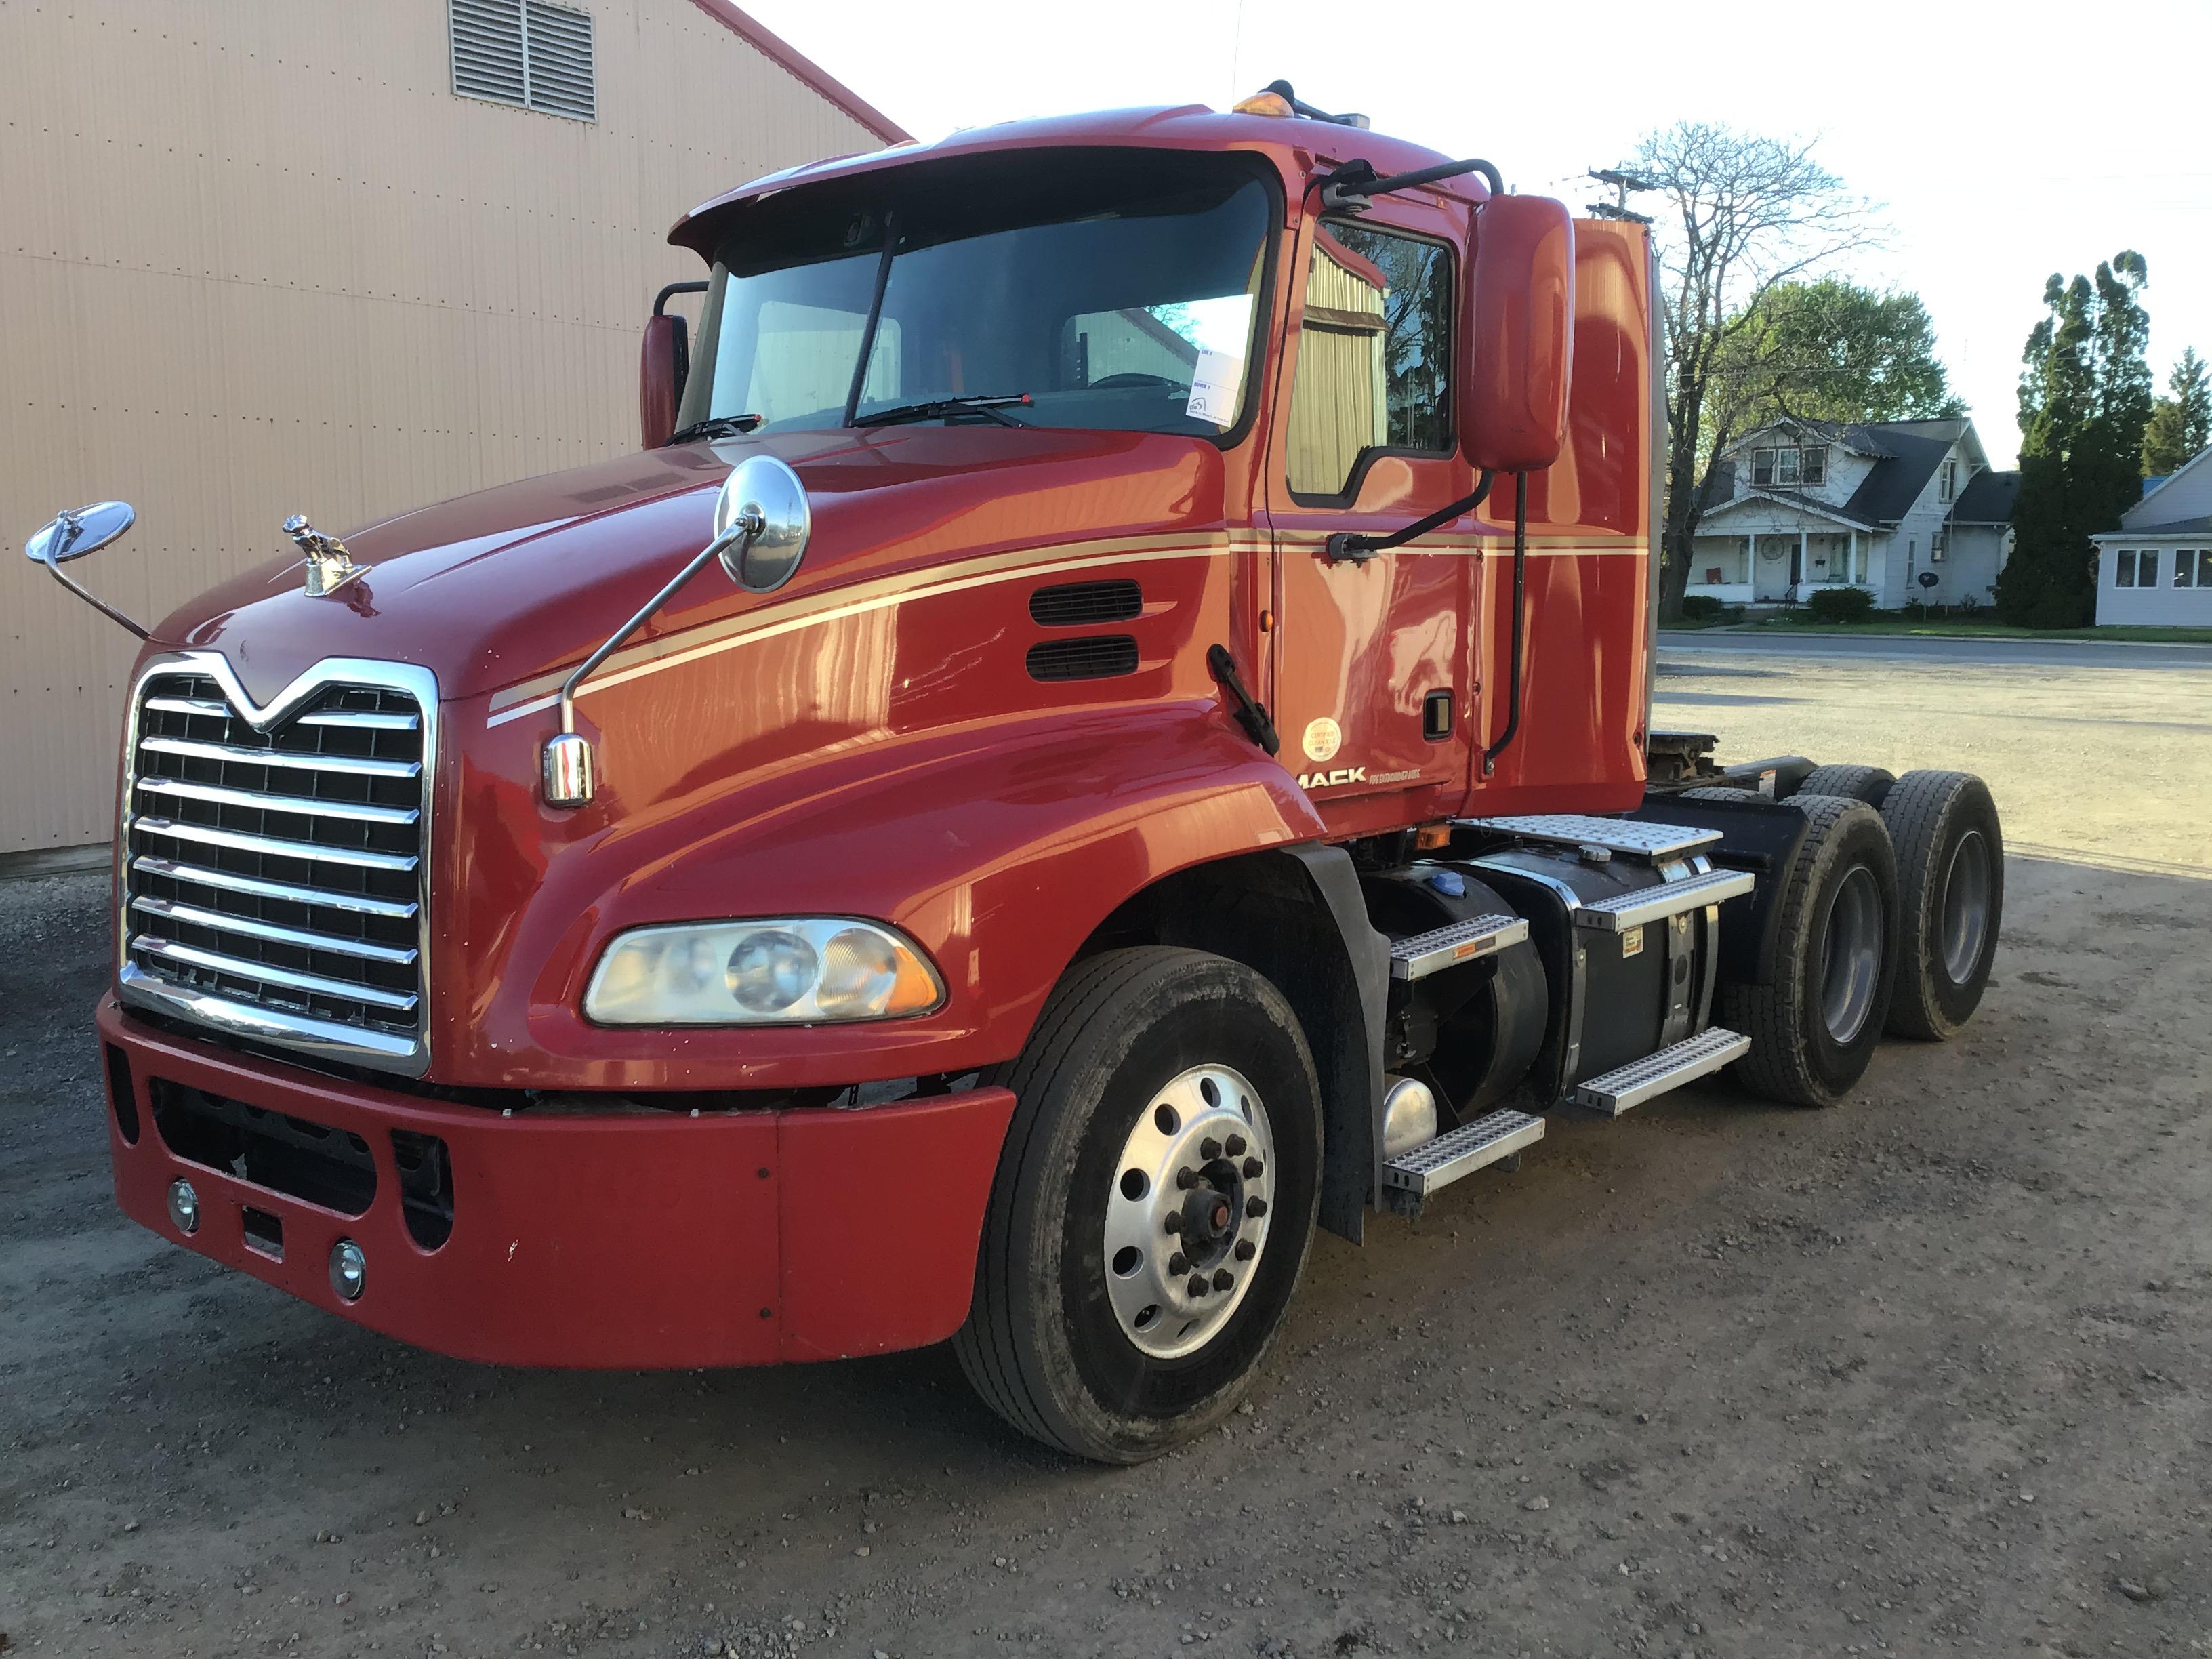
x: 1372, y: 353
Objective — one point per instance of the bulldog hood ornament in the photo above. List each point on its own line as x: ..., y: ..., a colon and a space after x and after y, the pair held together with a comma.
x: 330, y: 566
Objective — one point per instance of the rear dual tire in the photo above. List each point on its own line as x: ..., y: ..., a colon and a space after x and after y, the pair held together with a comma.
x: 1815, y: 1025
x: 1950, y: 866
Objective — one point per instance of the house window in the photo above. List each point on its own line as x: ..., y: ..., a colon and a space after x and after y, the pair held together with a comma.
x: 1785, y: 466
x: 1813, y: 467
x: 525, y: 52
x: 2124, y: 567
x: 2192, y: 567
x: 1949, y: 485
x: 2147, y: 567
x: 1762, y: 468
x: 1371, y: 354
x: 1938, y: 545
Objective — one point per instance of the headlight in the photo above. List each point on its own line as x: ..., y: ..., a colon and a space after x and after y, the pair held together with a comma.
x: 802, y: 972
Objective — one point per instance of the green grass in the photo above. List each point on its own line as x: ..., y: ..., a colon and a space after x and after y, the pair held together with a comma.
x: 1954, y: 627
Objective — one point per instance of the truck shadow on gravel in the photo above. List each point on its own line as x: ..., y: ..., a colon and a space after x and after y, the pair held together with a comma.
x: 1720, y: 1378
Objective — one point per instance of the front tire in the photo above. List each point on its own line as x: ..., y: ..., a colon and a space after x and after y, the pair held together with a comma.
x: 1145, y: 1068
x: 1814, y: 1027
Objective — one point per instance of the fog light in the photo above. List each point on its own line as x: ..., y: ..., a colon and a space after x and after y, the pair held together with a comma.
x: 349, y: 1270
x: 183, y: 1206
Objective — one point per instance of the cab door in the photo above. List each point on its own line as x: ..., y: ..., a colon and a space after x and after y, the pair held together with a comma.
x: 1372, y: 679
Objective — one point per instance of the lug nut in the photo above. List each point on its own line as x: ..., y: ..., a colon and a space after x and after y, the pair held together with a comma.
x: 1255, y: 1207
x: 1186, y: 1179
x: 1197, y: 1286
x: 1178, y: 1263
x: 1236, y: 1147
x: 1174, y: 1223
x: 1209, y: 1148
x: 1246, y: 1249
x: 1223, y: 1279
x: 1254, y: 1169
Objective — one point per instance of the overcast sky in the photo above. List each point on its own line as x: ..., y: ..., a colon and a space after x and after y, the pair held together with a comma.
x: 2004, y: 141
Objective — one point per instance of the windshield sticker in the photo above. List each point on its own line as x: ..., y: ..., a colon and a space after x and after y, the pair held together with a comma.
x: 1221, y: 328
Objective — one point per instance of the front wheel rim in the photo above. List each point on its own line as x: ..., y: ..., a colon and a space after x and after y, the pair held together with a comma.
x: 1850, y: 955
x: 1965, y: 908
x: 1187, y: 1213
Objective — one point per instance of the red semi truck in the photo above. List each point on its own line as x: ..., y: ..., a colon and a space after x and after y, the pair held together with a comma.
x: 1107, y: 726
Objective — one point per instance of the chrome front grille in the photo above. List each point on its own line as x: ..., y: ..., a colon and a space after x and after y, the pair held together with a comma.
x: 274, y: 860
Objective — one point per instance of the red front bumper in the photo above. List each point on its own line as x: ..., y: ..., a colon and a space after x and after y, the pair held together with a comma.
x: 636, y: 1240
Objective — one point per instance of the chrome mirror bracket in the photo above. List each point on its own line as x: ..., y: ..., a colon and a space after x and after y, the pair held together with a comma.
x: 570, y: 773
x: 71, y: 535
x: 762, y: 524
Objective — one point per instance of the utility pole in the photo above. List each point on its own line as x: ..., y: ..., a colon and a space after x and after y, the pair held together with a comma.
x: 1623, y: 182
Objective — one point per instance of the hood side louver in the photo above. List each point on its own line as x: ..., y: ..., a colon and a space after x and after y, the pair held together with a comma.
x: 1085, y: 604
x: 1099, y: 657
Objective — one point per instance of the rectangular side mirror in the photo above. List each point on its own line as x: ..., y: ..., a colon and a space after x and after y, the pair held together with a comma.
x: 1516, y: 345
x: 661, y: 368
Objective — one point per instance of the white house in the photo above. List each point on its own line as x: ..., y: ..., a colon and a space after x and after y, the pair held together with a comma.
x: 1906, y: 509
x: 2156, y: 569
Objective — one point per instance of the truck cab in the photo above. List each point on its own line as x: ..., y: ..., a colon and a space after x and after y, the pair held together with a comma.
x: 1107, y: 725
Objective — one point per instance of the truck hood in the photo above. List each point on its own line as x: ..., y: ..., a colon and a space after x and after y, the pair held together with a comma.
x: 494, y: 588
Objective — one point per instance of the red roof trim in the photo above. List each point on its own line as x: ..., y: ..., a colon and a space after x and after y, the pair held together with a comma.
x: 807, y: 71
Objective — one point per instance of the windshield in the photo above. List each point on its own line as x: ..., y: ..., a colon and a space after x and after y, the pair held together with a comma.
x: 1116, y: 290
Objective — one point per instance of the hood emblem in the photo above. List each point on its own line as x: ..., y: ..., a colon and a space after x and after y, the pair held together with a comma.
x: 330, y: 566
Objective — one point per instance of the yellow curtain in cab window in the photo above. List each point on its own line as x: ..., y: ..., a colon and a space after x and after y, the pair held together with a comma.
x: 1338, y: 406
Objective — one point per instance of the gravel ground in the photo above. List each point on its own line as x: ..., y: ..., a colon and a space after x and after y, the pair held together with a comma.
x: 1927, y: 1372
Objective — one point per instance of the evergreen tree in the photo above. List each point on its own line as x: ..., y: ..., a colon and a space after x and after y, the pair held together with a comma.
x: 2181, y: 423
x: 2085, y: 399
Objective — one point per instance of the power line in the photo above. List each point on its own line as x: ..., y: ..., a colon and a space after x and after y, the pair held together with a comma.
x: 1623, y: 182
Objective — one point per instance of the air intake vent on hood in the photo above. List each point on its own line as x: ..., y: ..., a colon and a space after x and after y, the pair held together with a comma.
x: 1085, y: 604
x: 1099, y: 657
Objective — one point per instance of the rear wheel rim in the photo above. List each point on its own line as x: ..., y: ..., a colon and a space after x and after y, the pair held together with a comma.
x: 1965, y: 908
x: 1850, y: 955
x: 1187, y: 1215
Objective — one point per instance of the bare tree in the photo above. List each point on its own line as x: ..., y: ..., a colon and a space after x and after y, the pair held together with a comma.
x: 1747, y: 213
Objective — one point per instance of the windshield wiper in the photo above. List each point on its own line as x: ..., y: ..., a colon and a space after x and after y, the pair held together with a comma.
x: 715, y: 426
x: 938, y: 408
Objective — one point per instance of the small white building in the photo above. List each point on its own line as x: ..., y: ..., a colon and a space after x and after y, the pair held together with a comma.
x: 2155, y: 570
x: 1906, y: 509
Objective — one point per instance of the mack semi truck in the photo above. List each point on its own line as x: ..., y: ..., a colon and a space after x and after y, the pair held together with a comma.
x: 1106, y: 726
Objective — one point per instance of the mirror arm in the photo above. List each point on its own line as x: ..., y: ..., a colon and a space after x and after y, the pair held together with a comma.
x: 744, y: 530
x: 91, y: 599
x: 1352, y: 186
x: 1344, y: 546
x: 1520, y: 624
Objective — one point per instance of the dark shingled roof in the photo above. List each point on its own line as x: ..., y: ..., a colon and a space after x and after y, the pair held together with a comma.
x: 2179, y: 527
x: 1916, y: 447
x: 1987, y: 499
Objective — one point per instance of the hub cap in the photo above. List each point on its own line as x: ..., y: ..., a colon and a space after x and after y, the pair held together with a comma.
x: 1187, y: 1219
x: 1851, y: 954
x: 1966, y: 911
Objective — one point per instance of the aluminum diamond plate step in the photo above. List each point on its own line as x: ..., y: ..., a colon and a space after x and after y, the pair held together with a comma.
x: 1629, y: 1086
x: 1654, y: 842
x: 1461, y: 1151
x: 1424, y: 954
x: 1623, y: 911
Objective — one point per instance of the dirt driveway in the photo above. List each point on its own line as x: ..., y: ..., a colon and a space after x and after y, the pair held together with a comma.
x: 1925, y: 1373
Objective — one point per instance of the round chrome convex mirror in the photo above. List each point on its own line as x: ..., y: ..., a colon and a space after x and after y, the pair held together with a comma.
x: 73, y: 535
x: 764, y: 488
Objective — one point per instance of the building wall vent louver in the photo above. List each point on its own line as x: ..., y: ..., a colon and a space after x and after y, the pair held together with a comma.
x: 525, y: 52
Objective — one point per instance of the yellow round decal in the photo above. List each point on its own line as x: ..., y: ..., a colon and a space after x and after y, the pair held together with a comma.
x: 1323, y: 738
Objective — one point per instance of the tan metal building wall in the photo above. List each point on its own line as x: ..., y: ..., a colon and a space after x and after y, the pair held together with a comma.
x: 257, y: 258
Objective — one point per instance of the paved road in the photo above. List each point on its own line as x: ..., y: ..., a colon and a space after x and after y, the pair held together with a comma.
x: 2021, y: 653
